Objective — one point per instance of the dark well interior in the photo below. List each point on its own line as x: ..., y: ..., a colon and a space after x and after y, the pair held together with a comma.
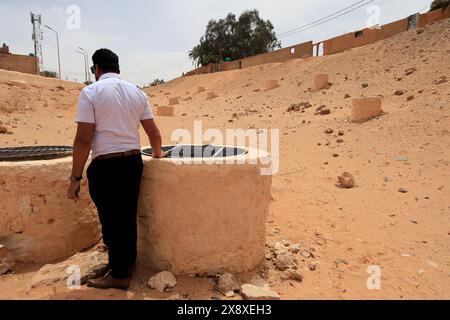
x: 206, y: 151
x: 35, y: 153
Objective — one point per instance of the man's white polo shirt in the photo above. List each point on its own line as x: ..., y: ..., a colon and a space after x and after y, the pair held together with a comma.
x: 116, y: 107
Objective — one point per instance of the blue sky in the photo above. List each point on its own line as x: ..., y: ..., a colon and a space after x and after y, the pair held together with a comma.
x: 152, y: 38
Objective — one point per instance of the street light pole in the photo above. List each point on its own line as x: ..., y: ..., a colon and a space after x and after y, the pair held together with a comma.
x: 59, y: 55
x: 85, y: 65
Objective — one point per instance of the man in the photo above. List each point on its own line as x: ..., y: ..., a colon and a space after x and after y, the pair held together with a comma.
x: 108, y: 117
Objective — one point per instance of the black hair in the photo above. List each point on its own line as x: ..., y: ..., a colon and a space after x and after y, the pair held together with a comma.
x: 106, y: 60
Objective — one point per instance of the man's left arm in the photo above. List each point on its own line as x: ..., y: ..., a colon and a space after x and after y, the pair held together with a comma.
x: 81, y: 149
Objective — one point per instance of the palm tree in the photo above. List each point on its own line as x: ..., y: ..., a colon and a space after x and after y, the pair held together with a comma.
x: 201, y: 54
x: 443, y: 4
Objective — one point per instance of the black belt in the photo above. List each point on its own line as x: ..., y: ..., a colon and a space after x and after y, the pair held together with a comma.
x: 118, y: 155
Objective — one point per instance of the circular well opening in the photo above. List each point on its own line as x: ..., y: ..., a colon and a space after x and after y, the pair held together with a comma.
x: 206, y: 151
x: 34, y: 153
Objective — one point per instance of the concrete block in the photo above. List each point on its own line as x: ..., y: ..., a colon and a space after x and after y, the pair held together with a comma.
x: 365, y: 109
x: 272, y: 84
x: 320, y: 81
x: 165, y: 111
x: 173, y: 101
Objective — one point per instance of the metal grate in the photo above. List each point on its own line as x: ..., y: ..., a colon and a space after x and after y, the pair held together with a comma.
x: 206, y: 151
x: 34, y: 153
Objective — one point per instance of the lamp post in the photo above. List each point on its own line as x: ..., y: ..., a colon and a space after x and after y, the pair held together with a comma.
x: 57, y: 45
x: 85, y: 64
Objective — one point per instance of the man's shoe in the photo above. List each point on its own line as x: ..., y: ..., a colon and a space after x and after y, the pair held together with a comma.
x: 109, y: 282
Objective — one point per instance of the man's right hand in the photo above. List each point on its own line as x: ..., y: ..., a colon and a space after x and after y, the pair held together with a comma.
x: 159, y: 155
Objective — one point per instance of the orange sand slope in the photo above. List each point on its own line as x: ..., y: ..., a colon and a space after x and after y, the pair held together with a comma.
x: 341, y: 231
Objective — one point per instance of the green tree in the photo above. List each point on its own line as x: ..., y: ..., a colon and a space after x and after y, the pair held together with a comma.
x: 157, y: 82
x: 49, y: 74
x: 232, y: 38
x: 440, y: 4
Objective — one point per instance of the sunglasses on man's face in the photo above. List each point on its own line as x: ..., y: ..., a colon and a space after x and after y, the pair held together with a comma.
x: 93, y: 69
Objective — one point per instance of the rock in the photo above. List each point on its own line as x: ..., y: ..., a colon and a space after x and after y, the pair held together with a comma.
x: 322, y: 110
x: 306, y: 254
x: 6, y: 260
x: 399, y: 92
x: 420, y: 30
x: 340, y: 261
x: 285, y: 243
x: 280, y: 249
x: 200, y: 89
x: 410, y: 71
x: 291, y: 274
x: 258, y: 281
x: 163, y: 281
x: 226, y: 283
x: 178, y: 297
x: 294, y: 248
x: 211, y: 95
x: 340, y: 140
x: 365, y: 85
x: 251, y: 292
x: 410, y: 98
x: 341, y: 133
x: 346, y: 180
x: 3, y: 129
x: 402, y: 190
x: 284, y: 261
x: 313, y: 266
x: 347, y: 96
x: 441, y: 80
x: 329, y: 131
x: 91, y: 264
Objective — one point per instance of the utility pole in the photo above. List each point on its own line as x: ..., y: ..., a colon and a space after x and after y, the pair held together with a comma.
x: 36, y: 20
x: 85, y: 65
x: 57, y: 45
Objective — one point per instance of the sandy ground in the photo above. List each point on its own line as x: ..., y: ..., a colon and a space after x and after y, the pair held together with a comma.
x: 406, y: 234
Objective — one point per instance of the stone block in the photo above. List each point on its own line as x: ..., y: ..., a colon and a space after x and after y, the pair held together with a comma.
x: 365, y: 109
x: 165, y: 111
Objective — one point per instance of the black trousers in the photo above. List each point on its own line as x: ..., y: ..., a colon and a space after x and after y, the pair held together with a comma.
x: 114, y: 186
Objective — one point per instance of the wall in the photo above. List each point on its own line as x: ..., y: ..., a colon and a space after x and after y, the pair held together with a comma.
x: 367, y: 36
x: 433, y: 16
x: 391, y: 29
x: 302, y: 50
x: 330, y: 46
x: 348, y: 41
x: 19, y: 63
x: 4, y: 49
